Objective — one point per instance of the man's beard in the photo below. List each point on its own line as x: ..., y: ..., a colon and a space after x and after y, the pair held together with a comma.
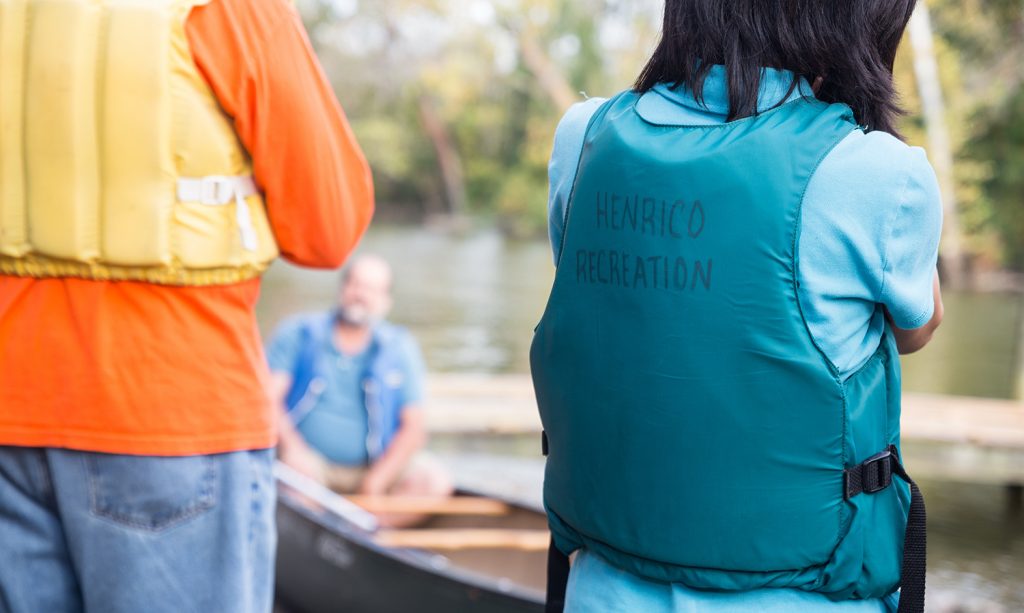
x: 356, y: 315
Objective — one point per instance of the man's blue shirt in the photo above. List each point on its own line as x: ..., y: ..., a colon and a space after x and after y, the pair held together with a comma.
x: 332, y: 416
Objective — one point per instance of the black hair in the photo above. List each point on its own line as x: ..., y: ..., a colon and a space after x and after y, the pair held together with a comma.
x: 849, y: 44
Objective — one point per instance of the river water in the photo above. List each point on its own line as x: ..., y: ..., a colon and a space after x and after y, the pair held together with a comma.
x: 472, y: 301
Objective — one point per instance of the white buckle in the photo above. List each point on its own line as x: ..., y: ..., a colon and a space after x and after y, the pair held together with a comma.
x: 219, y: 190
x: 216, y: 190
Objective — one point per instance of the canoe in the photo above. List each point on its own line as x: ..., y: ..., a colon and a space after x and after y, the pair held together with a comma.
x: 330, y: 556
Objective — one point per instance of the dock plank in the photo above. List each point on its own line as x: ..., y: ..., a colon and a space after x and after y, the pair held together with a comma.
x: 505, y: 404
x: 953, y: 438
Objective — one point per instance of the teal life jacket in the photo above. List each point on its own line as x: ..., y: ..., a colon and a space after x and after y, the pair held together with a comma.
x: 695, y: 432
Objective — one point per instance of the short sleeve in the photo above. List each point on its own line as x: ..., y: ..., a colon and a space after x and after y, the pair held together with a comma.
x: 285, y: 345
x: 415, y: 371
x: 565, y: 157
x: 911, y: 250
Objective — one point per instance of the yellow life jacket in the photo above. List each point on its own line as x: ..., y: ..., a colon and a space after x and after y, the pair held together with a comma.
x: 116, y: 161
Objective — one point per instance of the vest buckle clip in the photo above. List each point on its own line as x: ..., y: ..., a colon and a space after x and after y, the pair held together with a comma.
x: 872, y: 476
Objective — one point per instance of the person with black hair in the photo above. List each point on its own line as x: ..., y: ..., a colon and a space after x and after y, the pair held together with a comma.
x: 744, y: 245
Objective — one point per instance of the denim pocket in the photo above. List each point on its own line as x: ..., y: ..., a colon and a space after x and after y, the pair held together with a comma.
x: 150, y: 493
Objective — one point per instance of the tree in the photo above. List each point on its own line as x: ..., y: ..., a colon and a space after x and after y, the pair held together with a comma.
x: 926, y: 70
x: 984, y: 44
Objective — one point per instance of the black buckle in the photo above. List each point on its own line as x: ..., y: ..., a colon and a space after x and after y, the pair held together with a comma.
x: 872, y: 476
x: 877, y: 472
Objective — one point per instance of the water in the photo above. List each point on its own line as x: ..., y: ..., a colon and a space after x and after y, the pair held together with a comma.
x: 473, y: 301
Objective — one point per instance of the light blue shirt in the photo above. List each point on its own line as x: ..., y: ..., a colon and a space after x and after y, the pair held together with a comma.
x: 872, y: 217
x: 871, y: 221
x: 337, y: 425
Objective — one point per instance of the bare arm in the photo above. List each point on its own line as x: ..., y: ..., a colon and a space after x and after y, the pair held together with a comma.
x: 291, y: 448
x: 410, y: 438
x: 909, y: 341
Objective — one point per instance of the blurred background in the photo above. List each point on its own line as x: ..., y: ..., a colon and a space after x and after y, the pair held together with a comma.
x: 455, y: 103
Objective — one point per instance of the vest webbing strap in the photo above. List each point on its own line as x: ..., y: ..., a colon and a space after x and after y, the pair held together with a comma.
x: 219, y: 191
x: 874, y: 475
x: 915, y: 545
x: 871, y: 476
x: 558, y: 578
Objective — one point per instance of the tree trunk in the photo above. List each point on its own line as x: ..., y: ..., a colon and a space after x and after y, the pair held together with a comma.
x: 551, y: 78
x: 448, y: 159
x: 926, y: 71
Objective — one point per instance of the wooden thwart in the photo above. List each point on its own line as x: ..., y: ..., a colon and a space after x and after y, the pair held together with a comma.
x: 459, y: 505
x: 466, y: 538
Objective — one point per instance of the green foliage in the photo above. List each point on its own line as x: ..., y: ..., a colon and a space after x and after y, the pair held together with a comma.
x: 981, y: 44
x: 499, y: 121
x: 499, y: 112
x: 522, y: 203
x: 999, y: 143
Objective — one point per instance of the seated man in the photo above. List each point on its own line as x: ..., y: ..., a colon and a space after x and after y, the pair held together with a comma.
x: 350, y: 386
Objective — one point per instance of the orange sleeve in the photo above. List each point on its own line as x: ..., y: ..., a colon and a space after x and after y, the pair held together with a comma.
x: 257, y: 58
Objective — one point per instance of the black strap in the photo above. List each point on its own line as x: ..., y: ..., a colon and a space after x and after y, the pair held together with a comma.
x: 915, y: 547
x: 874, y: 475
x: 558, y: 577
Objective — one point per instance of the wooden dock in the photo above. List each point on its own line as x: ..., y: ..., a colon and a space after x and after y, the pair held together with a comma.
x: 945, y: 438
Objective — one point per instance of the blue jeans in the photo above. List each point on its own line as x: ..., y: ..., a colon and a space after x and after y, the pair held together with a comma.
x: 108, y: 533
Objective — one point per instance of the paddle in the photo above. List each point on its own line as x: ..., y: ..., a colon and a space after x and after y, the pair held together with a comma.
x: 332, y: 502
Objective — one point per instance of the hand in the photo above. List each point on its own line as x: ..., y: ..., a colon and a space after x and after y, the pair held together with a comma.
x: 300, y: 457
x: 374, y: 484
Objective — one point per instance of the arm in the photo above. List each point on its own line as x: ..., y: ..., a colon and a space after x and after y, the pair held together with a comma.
x: 910, y: 288
x: 261, y: 66
x: 410, y: 438
x: 291, y: 448
x: 909, y: 341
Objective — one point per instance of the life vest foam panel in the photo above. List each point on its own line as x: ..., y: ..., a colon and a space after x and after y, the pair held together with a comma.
x: 103, y: 110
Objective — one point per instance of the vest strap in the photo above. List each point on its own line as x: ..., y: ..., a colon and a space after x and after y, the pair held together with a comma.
x: 219, y: 190
x: 558, y: 579
x: 871, y: 476
x: 874, y: 475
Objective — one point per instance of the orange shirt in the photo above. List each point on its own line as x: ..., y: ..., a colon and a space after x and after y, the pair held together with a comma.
x: 136, y: 368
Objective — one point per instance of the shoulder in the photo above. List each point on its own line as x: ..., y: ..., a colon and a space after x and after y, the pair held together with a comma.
x: 398, y: 343
x: 882, y: 178
x: 566, y: 150
x: 302, y: 323
x: 579, y: 114
x: 572, y: 127
x: 888, y: 162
